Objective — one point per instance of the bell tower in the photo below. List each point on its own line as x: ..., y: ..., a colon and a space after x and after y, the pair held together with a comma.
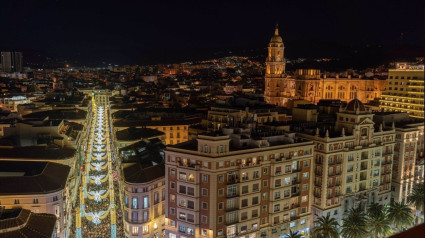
x: 275, y: 62
x: 278, y: 87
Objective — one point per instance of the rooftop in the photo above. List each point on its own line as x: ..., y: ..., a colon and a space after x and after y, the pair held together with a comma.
x: 132, y: 133
x: 61, y: 114
x: 37, y: 152
x: 24, y: 177
x: 163, y: 122
x: 137, y: 173
x: 23, y: 223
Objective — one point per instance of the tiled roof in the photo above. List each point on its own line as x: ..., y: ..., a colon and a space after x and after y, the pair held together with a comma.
x: 51, y: 178
x: 36, y: 225
x: 136, y: 173
x: 36, y: 152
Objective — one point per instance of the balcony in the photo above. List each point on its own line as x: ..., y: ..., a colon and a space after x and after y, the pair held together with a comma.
x: 232, y: 195
x: 232, y: 180
x: 296, y: 181
x: 292, y: 218
x: 295, y: 194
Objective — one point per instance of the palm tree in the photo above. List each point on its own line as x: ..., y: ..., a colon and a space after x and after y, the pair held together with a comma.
x: 416, y: 198
x: 293, y: 234
x: 375, y: 210
x: 326, y: 227
x: 400, y: 215
x: 355, y: 224
x: 379, y: 224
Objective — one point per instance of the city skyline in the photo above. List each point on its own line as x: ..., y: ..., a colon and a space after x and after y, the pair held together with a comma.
x: 275, y: 119
x: 130, y: 33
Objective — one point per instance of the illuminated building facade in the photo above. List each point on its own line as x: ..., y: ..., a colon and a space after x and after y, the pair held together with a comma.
x: 219, y: 117
x: 405, y: 90
x: 352, y: 163
x: 312, y: 86
x: 144, y: 198
x: 405, y: 152
x: 239, y: 184
x: 278, y: 87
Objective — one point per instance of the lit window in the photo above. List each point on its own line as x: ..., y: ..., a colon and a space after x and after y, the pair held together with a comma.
x: 135, y: 230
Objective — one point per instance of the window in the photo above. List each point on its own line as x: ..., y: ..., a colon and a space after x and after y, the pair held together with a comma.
x: 305, y: 175
x: 190, y: 204
x: 204, y: 192
x: 182, y: 189
x: 220, y: 219
x: 254, y: 200
x: 245, y: 189
x: 172, y: 172
x: 35, y: 200
x: 256, y: 187
x: 220, y: 178
x: 244, y: 216
x: 364, y: 131
x: 305, y: 163
x: 221, y: 192
x: 305, y: 187
x: 172, y: 197
x: 204, y: 219
x: 134, y: 203
x: 182, y: 216
x: 220, y: 206
x: 16, y: 201
x: 190, y: 191
x: 256, y: 175
x: 204, y: 205
x: 172, y: 185
x: 244, y: 202
x: 55, y: 198
x: 135, y: 230
x: 204, y: 178
x: 265, y: 171
x: 145, y: 202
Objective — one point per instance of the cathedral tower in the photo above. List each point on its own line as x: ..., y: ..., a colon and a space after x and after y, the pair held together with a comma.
x: 278, y: 88
x: 275, y: 62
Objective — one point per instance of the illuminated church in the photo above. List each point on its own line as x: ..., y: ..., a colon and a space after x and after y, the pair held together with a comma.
x: 279, y: 87
x: 311, y: 84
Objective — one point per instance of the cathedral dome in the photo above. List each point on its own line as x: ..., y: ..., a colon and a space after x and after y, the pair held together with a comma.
x: 355, y: 105
x: 276, y: 37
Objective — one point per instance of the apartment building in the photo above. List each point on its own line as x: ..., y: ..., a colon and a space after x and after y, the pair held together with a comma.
x: 408, y: 153
x: 405, y: 90
x: 40, y: 187
x: 144, y: 196
x: 233, y: 116
x: 175, y: 130
x: 352, y: 162
x: 239, y: 183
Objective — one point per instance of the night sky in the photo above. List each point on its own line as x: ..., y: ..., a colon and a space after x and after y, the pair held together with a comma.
x: 143, y: 32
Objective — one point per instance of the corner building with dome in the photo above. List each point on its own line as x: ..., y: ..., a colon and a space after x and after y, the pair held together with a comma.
x: 352, y: 162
